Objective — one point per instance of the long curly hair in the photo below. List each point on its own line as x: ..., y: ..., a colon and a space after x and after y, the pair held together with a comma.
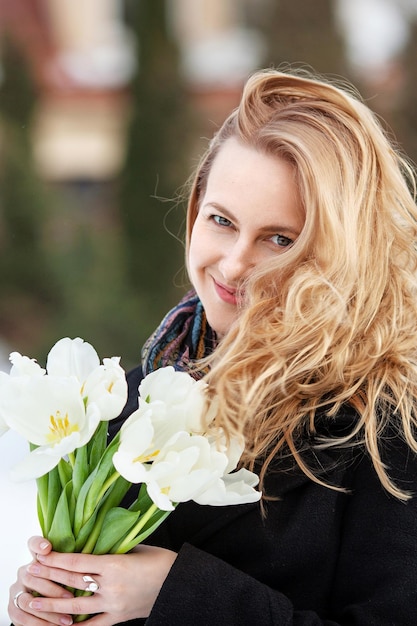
x: 333, y: 320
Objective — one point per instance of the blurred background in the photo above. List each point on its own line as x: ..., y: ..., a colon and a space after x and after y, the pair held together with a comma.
x: 105, y: 108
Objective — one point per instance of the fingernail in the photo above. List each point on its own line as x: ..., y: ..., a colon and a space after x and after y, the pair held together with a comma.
x: 33, y: 569
x: 40, y: 558
x: 67, y: 621
x: 35, y: 604
x: 44, y: 545
x: 67, y: 594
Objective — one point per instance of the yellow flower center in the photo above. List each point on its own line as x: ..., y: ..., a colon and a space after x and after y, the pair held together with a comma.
x: 146, y: 458
x: 60, y: 427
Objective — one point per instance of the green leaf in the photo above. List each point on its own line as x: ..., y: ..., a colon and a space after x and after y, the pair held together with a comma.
x: 79, y: 520
x: 100, y: 476
x: 115, y: 494
x: 42, y: 501
x: 149, y: 521
x: 84, y: 534
x: 143, y: 501
x: 116, y: 525
x: 65, y: 472
x: 90, y: 492
x: 80, y: 470
x: 54, y: 492
x: 97, y: 444
x: 60, y: 534
x: 113, y: 498
x: 41, y: 516
x: 71, y: 502
x: 148, y: 529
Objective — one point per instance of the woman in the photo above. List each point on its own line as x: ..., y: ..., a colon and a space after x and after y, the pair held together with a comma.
x: 301, y: 248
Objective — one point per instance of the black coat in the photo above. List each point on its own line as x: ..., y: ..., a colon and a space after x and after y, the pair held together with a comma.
x: 320, y: 556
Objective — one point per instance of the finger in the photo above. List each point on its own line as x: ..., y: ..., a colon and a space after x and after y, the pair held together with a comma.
x: 35, y: 578
x: 82, y: 605
x: 75, y: 562
x: 20, y: 608
x: 39, y: 545
x: 49, y: 581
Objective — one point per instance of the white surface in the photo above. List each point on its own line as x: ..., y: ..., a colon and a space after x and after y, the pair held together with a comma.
x: 18, y: 515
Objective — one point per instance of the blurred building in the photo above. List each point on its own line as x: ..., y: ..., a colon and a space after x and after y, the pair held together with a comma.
x: 83, y: 56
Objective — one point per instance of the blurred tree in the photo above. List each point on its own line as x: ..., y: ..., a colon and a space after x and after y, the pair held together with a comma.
x: 28, y: 289
x: 404, y: 116
x: 303, y: 33
x: 155, y: 165
x: 18, y: 92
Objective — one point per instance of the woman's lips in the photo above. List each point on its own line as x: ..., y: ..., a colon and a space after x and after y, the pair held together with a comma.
x: 229, y: 295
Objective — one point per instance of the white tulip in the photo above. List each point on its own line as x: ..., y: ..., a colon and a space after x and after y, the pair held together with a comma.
x: 181, y: 395
x: 106, y: 387
x: 235, y: 488
x: 72, y: 357
x: 162, y: 445
x: 136, y: 446
x: 24, y: 366
x: 50, y: 413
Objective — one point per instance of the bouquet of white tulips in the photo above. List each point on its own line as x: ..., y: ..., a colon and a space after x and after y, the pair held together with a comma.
x: 63, y: 410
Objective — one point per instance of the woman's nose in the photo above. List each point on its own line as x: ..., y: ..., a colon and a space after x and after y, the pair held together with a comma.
x: 237, y: 261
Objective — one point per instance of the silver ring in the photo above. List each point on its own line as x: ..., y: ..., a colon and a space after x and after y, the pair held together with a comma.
x: 16, y: 600
x: 92, y: 584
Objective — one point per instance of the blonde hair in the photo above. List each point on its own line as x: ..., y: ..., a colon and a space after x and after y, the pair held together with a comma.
x: 332, y: 321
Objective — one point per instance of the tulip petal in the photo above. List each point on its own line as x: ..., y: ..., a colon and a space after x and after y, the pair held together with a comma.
x: 34, y: 465
x: 42, y: 409
x: 106, y: 386
x: 72, y: 357
x: 132, y: 471
x: 160, y: 498
x: 236, y: 488
x: 24, y: 366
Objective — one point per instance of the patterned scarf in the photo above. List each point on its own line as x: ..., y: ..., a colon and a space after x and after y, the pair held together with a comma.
x: 183, y: 337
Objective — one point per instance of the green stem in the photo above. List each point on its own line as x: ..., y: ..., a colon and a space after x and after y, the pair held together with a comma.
x: 81, y: 618
x: 136, y: 529
x: 92, y: 539
x: 111, y: 479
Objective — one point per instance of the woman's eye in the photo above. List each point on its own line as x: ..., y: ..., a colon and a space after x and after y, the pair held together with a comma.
x: 282, y: 241
x: 221, y: 221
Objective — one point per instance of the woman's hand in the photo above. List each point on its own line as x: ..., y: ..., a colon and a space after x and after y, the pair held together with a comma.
x: 21, y: 591
x: 125, y: 586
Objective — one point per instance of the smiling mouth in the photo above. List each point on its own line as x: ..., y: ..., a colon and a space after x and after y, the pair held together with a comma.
x: 229, y: 295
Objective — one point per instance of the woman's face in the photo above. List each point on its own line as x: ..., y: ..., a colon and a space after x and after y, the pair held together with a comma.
x: 251, y: 211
